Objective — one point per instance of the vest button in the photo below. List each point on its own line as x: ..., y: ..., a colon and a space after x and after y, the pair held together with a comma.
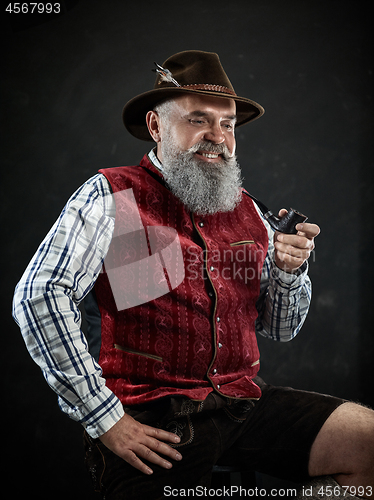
x: 219, y: 345
x: 218, y: 387
x: 218, y: 319
x: 211, y: 268
x: 201, y: 224
x: 214, y: 371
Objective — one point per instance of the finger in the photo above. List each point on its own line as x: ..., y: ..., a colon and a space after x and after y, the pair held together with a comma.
x: 305, y: 228
x: 149, y: 455
x: 146, y: 452
x: 292, y: 251
x: 132, y: 459
x: 156, y: 441
x: 162, y: 448
x: 295, y: 240
x: 289, y: 263
x: 160, y: 434
x: 128, y: 438
x: 308, y: 230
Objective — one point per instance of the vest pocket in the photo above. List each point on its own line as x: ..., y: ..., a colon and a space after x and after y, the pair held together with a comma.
x: 138, y: 353
x: 239, y: 243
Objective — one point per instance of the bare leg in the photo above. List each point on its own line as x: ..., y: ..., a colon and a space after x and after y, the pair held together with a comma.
x: 344, y: 449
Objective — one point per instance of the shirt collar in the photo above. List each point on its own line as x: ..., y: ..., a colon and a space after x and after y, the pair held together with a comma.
x: 153, y: 157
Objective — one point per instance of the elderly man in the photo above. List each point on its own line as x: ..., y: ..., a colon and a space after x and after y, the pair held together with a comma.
x: 179, y: 271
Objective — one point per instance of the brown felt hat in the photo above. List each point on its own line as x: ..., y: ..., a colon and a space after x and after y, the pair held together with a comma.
x: 192, y: 71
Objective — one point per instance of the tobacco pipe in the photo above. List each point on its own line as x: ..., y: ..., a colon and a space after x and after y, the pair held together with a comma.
x: 285, y: 224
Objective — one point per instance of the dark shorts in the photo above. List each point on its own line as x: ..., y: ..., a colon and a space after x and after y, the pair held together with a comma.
x: 273, y: 435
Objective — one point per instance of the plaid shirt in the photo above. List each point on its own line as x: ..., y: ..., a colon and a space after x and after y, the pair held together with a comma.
x: 64, y: 270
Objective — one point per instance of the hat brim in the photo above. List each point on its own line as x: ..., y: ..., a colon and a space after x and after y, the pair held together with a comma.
x: 134, y: 112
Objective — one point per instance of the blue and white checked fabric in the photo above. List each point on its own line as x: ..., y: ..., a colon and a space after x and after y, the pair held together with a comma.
x: 64, y: 270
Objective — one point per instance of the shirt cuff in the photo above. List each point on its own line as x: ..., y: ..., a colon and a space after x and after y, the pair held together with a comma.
x: 100, y: 413
x: 291, y: 281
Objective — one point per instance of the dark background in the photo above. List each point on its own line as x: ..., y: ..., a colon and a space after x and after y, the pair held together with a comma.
x: 65, y: 80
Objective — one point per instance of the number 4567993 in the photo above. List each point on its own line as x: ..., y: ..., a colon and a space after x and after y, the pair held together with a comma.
x: 33, y: 8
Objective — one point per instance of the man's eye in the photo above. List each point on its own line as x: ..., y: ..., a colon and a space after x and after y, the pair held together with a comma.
x: 197, y: 122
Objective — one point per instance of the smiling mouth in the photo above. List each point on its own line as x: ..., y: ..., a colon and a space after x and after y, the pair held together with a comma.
x: 212, y: 156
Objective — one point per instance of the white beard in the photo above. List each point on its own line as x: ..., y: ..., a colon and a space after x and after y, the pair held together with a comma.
x: 203, y: 187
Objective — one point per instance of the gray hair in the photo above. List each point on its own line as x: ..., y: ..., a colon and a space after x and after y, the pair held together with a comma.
x: 165, y: 108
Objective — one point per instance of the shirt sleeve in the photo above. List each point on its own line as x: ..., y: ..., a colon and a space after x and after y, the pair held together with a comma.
x: 284, y: 298
x: 45, y: 306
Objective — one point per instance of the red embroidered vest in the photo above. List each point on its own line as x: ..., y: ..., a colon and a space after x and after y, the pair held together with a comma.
x: 199, y: 335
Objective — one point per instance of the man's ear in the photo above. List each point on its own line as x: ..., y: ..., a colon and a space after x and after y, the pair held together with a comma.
x: 153, y: 124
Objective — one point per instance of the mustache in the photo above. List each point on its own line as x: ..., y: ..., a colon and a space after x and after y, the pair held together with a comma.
x: 213, y: 148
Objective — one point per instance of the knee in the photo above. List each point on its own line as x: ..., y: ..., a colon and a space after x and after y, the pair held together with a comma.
x: 345, y: 444
x: 360, y: 436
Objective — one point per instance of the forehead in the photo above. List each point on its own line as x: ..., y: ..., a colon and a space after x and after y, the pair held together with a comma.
x: 191, y: 103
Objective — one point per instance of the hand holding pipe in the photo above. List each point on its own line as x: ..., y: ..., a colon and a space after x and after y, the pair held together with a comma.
x: 286, y: 224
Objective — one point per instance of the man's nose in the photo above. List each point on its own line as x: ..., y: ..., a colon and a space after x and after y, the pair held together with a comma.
x: 215, y: 134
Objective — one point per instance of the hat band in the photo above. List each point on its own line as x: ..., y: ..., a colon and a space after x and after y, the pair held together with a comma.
x: 208, y: 86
